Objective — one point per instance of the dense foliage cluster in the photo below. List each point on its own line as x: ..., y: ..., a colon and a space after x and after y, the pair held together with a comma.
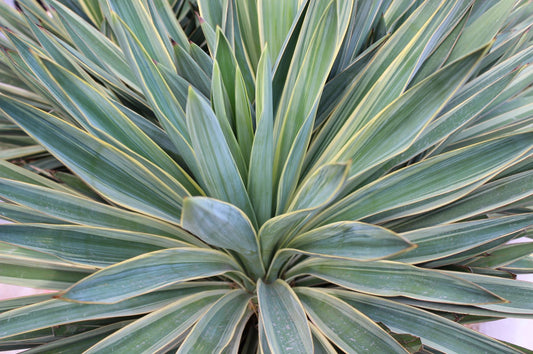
x: 242, y: 176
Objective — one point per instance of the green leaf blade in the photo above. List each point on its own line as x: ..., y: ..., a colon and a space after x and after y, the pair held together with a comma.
x: 444, y: 240
x: 387, y: 278
x: 215, y: 329
x: 222, y: 225
x: 351, y: 240
x: 260, y: 176
x: 283, y: 319
x: 86, y: 245
x: 434, y: 330
x: 83, y: 154
x: 215, y: 161
x: 158, y: 329
x: 454, y: 170
x: 55, y: 312
x: 79, y: 210
x: 149, y: 272
x: 349, y: 329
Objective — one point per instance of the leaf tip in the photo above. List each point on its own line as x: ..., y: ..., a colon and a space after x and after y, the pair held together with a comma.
x: 200, y: 18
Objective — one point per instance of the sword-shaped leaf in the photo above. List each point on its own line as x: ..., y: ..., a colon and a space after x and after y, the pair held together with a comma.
x: 83, y: 244
x: 80, y: 210
x: 431, y: 178
x: 345, y: 326
x: 444, y: 240
x: 404, y: 118
x: 149, y: 272
x: 386, y: 278
x: 320, y: 187
x: 94, y: 45
x: 351, y: 240
x: 274, y: 33
x: 283, y: 318
x: 248, y: 22
x: 503, y: 255
x: 160, y: 328
x: 435, y: 331
x: 56, y: 312
x: 163, y: 9
x: 243, y: 117
x: 77, y: 343
x: 100, y: 165
x: 216, y: 327
x: 136, y: 16
x: 490, y: 196
x: 162, y: 100
x: 216, y: 164
x: 279, y: 228
x: 22, y: 214
x: 223, y: 225
x: 516, y: 292
x: 482, y: 30
x: 343, y: 240
x: 321, y: 345
x: 29, y: 268
x: 102, y: 115
x: 461, y: 109
x: 262, y: 153
x: 387, y: 76
x: 323, y: 29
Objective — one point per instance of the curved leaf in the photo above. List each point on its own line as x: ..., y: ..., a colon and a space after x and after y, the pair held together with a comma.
x: 219, y: 224
x: 444, y: 240
x: 387, y: 76
x: 434, y: 330
x: 321, y: 344
x: 82, y: 244
x: 78, y: 210
x: 279, y: 228
x: 55, y: 312
x: 516, y: 292
x: 162, y: 100
x: 387, y: 278
x: 78, y: 343
x: 100, y: 165
x: 22, y: 214
x: 345, y: 326
x: 404, y: 118
x: 223, y: 225
x: 102, y: 115
x: 490, y: 196
x: 283, y: 318
x: 23, y: 267
x: 157, y: 330
x: 216, y: 327
x: 137, y: 17
x: 351, y: 240
x: 215, y: 161
x: 11, y: 171
x: 320, y: 187
x: 149, y: 272
x: 430, y: 178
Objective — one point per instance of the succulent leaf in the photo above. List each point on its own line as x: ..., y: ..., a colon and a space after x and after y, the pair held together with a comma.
x: 256, y: 176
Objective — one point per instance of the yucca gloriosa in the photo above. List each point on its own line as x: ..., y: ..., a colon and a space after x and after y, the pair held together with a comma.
x: 266, y: 176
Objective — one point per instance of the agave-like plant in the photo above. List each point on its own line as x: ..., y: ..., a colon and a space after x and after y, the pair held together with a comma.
x: 242, y: 176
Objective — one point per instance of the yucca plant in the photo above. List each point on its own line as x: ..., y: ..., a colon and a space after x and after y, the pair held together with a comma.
x: 242, y: 176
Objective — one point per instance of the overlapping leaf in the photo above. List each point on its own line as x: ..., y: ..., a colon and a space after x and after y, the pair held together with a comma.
x: 264, y: 176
